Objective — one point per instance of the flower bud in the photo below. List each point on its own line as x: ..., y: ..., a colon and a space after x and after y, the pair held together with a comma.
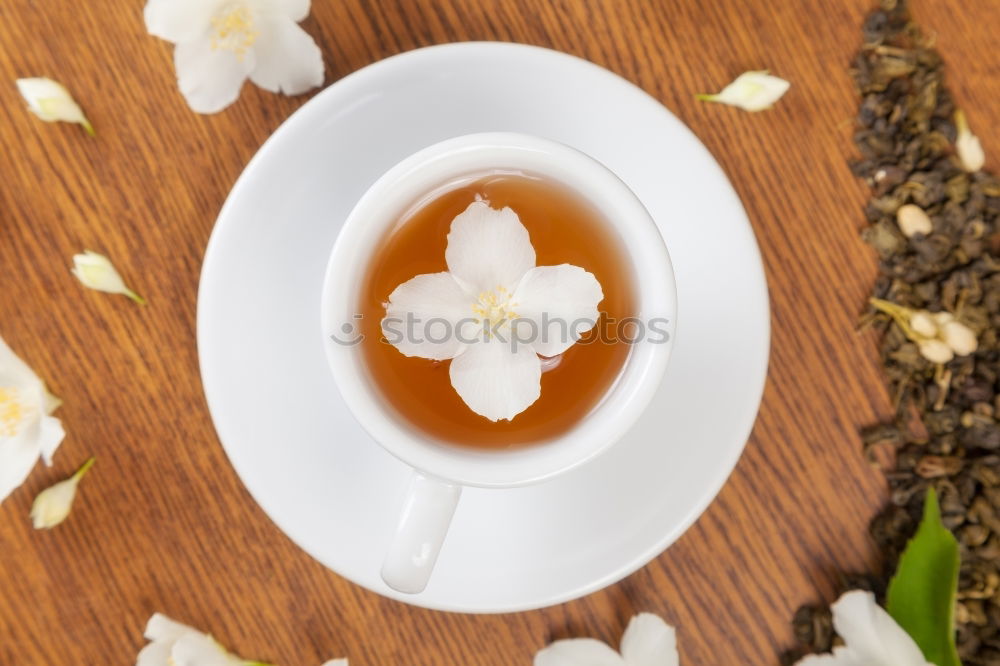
x: 936, y: 351
x: 96, y: 271
x: 967, y: 145
x: 53, y: 504
x: 913, y: 220
x: 943, y: 317
x: 50, y: 101
x: 923, y: 324
x: 959, y: 338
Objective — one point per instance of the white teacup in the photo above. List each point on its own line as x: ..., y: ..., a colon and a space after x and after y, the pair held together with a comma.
x: 442, y: 469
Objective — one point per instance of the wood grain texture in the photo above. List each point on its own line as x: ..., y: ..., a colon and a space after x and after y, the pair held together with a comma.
x: 163, y: 523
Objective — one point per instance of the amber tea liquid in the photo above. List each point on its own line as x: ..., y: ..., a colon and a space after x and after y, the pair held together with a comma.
x: 564, y: 228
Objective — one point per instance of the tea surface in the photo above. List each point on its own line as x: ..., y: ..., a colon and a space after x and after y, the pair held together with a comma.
x: 564, y: 228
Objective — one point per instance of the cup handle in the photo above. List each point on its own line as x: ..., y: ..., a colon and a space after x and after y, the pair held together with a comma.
x: 423, y: 525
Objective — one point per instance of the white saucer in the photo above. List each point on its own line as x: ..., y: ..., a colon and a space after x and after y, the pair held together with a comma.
x: 312, y: 468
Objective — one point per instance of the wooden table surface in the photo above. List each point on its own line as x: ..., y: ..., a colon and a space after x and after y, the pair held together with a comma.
x: 164, y: 524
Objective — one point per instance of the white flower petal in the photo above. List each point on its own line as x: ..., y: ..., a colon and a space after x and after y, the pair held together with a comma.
x: 210, y: 79
x: 14, y: 371
x: 179, y: 20
x: 488, y: 248
x: 751, y: 91
x: 156, y: 653
x: 162, y: 628
x: 26, y: 431
x: 840, y: 657
x: 578, y: 652
x: 649, y: 641
x: 176, y: 644
x: 50, y: 101
x: 561, y: 302
x: 423, y: 314
x: 496, y: 381
x: 336, y: 662
x: 50, y: 435
x: 287, y: 58
x: 297, y: 10
x: 870, y: 633
x: 52, y: 403
x: 200, y: 650
x: 18, y: 455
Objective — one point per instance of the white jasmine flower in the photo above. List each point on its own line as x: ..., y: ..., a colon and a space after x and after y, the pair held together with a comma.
x: 913, y: 220
x: 970, y: 150
x: 647, y: 641
x: 938, y: 335
x: 751, y: 91
x: 494, y: 312
x: 27, y: 428
x: 50, y: 101
x: 96, y: 271
x: 221, y: 43
x: 52, y: 506
x: 176, y: 644
x: 872, y: 637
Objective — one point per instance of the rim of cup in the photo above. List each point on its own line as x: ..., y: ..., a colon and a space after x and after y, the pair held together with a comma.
x: 473, y: 156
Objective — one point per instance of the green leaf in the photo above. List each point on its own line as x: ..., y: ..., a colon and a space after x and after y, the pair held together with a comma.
x: 922, y: 593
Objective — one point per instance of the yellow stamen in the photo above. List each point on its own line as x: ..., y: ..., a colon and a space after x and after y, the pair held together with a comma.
x: 495, y: 308
x: 232, y: 30
x: 12, y: 412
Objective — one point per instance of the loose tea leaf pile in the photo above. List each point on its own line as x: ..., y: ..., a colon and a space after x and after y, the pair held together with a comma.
x: 946, y: 431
